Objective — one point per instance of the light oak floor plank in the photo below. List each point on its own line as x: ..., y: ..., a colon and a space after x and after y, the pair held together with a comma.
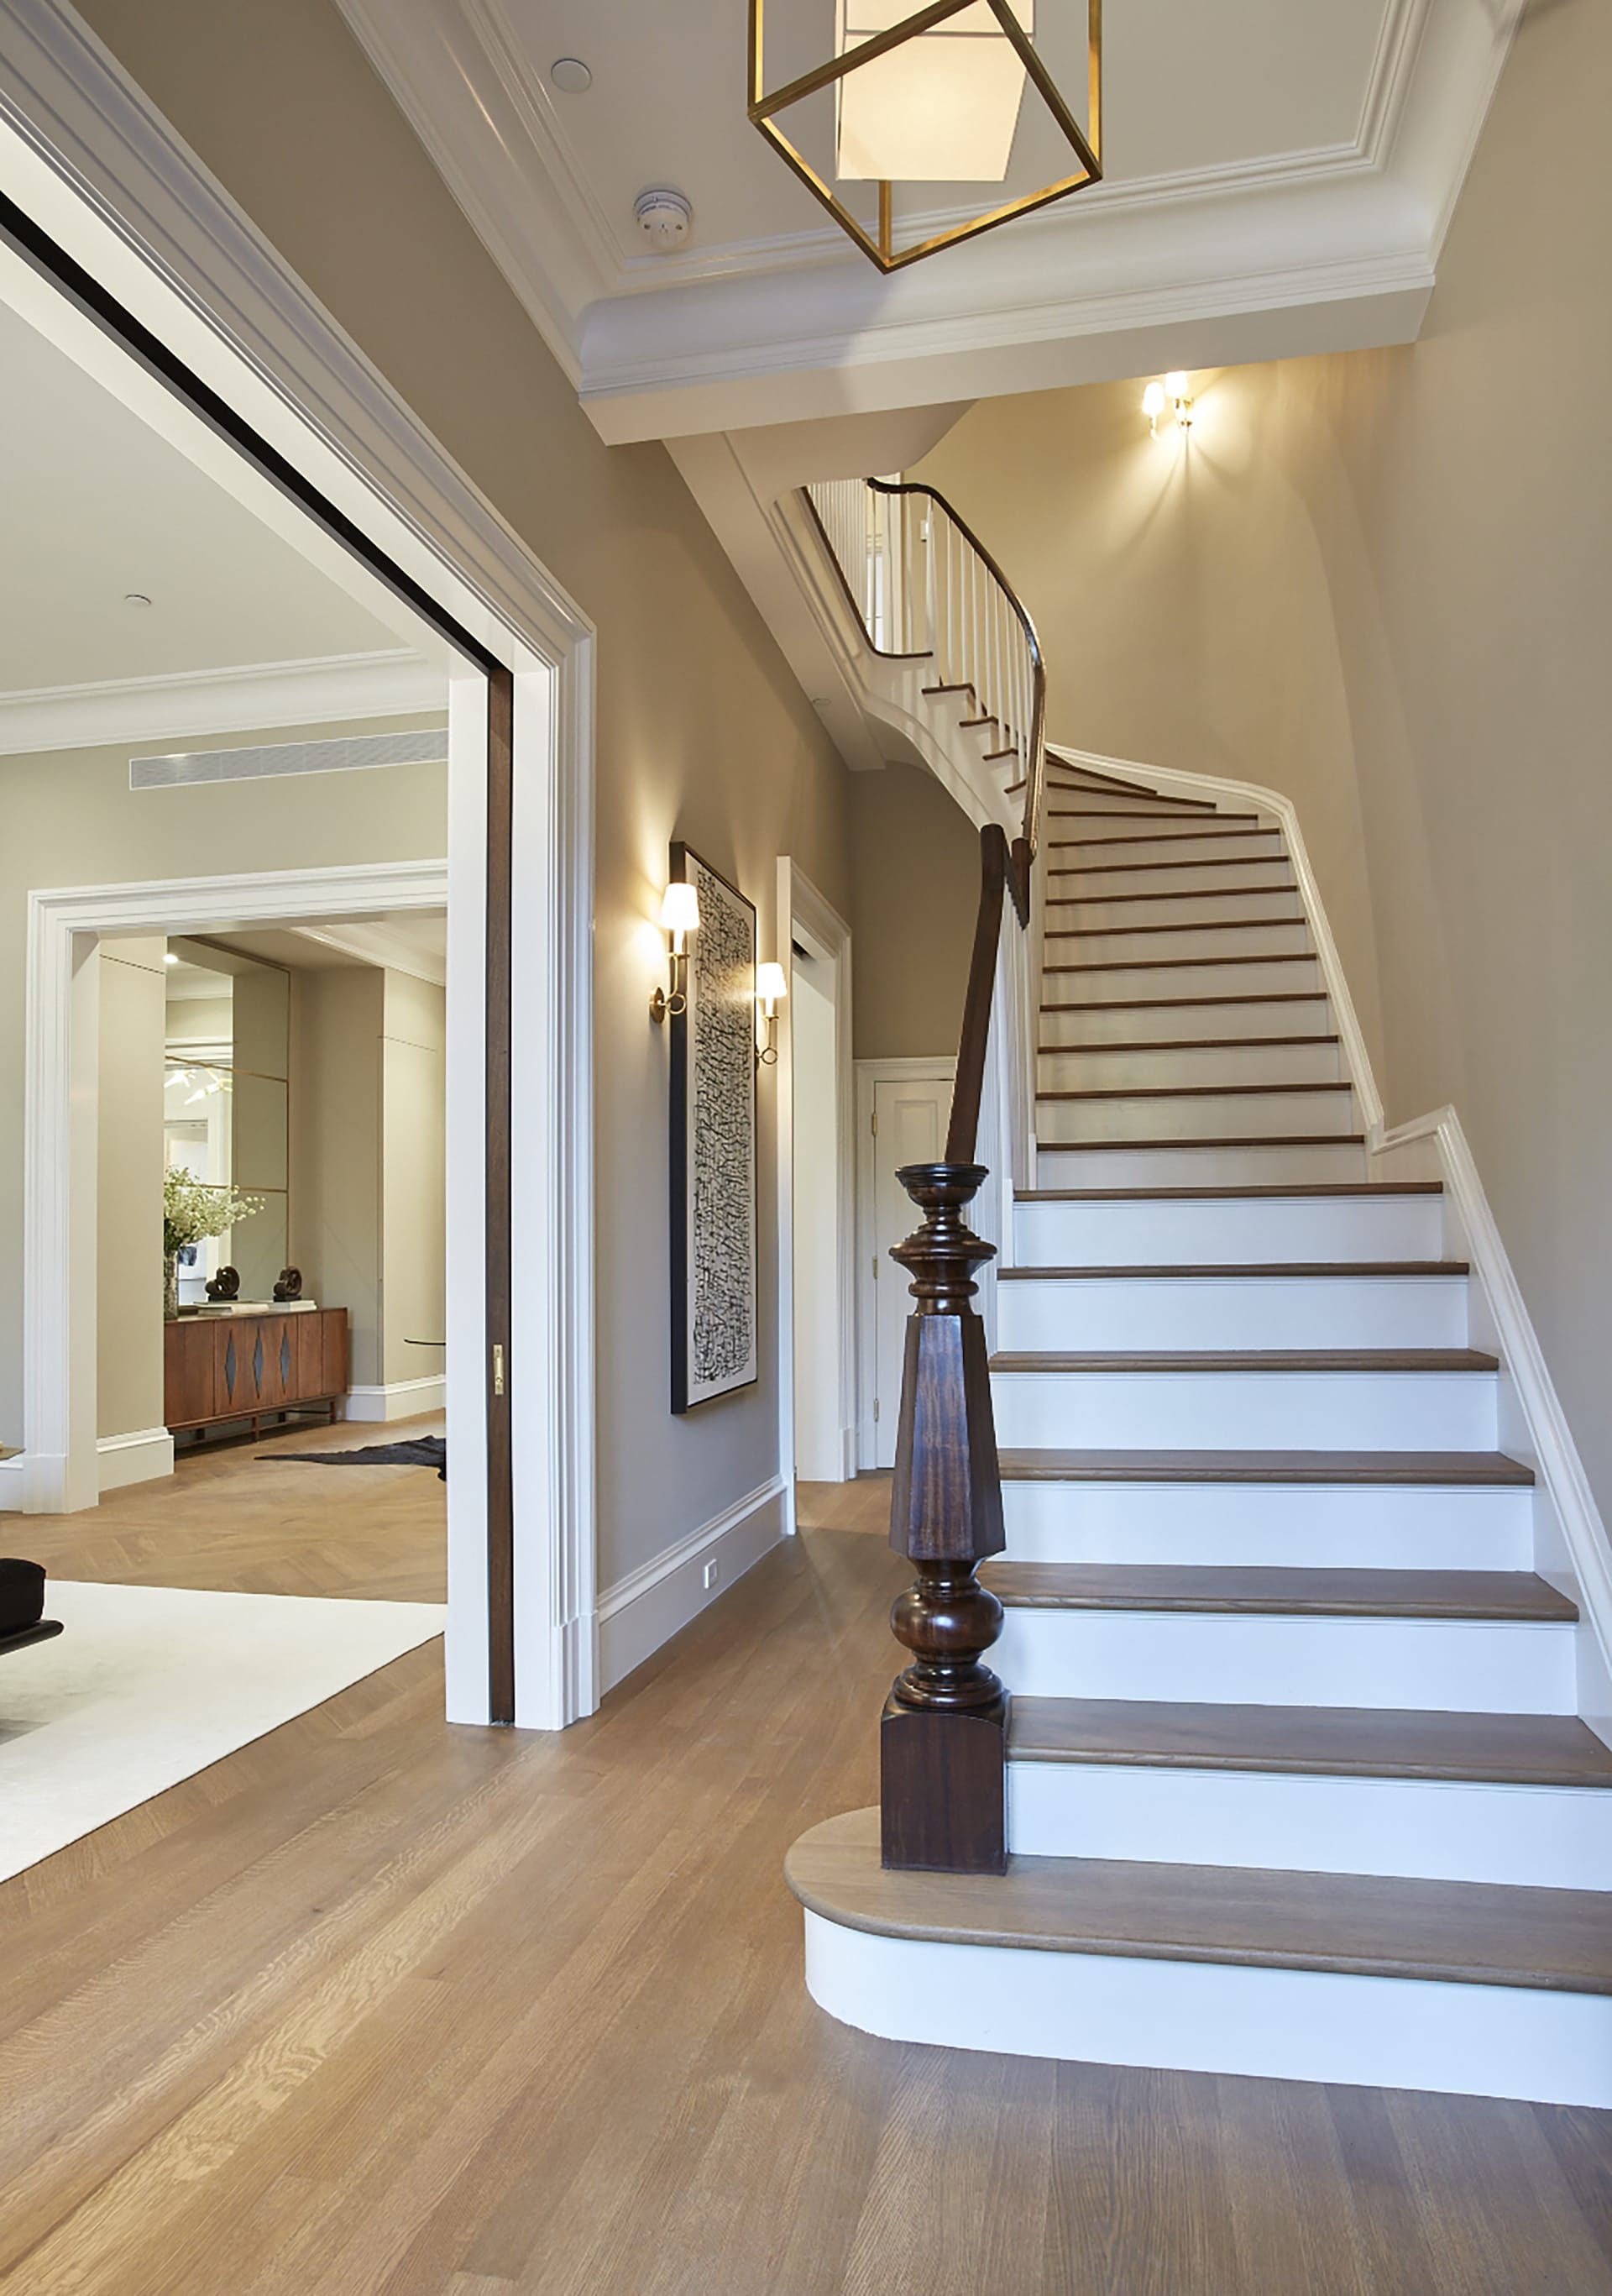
x: 380, y: 2008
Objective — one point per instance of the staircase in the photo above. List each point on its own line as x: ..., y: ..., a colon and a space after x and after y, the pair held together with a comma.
x: 1296, y: 1781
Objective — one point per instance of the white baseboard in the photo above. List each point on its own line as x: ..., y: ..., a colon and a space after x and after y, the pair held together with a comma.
x: 142, y: 1456
x: 1572, y: 1547
x: 653, y: 1603
x: 399, y: 1398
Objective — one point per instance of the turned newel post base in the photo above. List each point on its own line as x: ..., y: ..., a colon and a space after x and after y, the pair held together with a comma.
x: 943, y: 1739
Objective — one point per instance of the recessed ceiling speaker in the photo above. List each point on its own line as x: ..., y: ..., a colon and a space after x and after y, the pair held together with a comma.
x: 572, y: 76
x: 666, y: 218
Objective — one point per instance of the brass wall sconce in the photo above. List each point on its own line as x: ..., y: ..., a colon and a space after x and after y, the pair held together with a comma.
x: 1174, y: 391
x: 772, y: 987
x: 679, y: 918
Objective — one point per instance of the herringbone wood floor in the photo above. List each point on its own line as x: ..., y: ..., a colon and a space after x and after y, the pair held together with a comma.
x: 236, y: 1519
x: 380, y: 2008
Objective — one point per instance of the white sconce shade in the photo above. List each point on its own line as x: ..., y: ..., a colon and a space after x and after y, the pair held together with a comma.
x: 680, y: 910
x: 1153, y: 401
x: 772, y: 984
x: 942, y: 108
x: 1175, y: 385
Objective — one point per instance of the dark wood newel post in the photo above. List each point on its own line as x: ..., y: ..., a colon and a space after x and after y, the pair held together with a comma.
x: 942, y: 1738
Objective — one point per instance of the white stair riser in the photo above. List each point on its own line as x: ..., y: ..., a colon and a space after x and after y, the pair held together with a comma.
x: 1187, y: 939
x: 1245, y: 1411
x: 1260, y: 1526
x: 1104, y: 907
x: 1267, y: 878
x: 1159, y: 1021
x: 1244, y: 1230
x: 1274, y: 2024
x: 1433, y: 1829
x: 1294, y: 1311
x: 1062, y: 801
x: 1089, y: 982
x: 1093, y: 1070
x: 1196, y: 1116
x: 1472, y: 1666
x: 1136, y: 847
x: 1287, y: 1164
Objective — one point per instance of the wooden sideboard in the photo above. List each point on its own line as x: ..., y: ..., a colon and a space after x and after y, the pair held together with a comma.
x: 252, y: 1366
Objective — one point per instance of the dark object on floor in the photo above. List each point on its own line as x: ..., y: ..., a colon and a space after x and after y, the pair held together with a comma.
x: 290, y: 1285
x: 225, y: 1285
x: 22, y: 1619
x: 424, y: 1451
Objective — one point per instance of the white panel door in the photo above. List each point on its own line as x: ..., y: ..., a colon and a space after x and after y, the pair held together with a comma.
x: 910, y: 1118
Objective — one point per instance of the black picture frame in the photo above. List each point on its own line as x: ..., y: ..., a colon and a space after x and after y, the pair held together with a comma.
x: 713, y: 1163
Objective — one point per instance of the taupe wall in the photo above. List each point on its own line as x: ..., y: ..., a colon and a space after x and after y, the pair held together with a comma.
x: 338, y: 1021
x: 128, y: 1188
x: 915, y: 890
x: 1381, y: 583
x: 703, y: 733
x: 413, y: 1206
x: 69, y: 817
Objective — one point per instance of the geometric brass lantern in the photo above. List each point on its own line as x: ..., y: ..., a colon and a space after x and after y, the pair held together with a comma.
x: 932, y: 96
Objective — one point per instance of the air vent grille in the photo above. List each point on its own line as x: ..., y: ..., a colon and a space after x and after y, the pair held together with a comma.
x: 354, y: 753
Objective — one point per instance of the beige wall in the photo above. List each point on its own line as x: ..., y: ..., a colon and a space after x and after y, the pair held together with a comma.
x: 338, y: 1023
x: 702, y: 732
x: 414, y: 1202
x: 69, y: 817
x: 128, y: 1188
x: 915, y: 892
x: 1381, y: 583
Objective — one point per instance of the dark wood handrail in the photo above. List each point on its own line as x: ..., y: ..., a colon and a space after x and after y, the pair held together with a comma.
x: 968, y: 1088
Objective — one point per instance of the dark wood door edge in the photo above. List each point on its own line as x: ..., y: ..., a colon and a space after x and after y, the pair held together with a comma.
x: 497, y: 1368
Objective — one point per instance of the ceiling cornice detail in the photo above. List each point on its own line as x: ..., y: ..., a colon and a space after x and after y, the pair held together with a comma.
x: 1343, y: 235
x: 328, y: 690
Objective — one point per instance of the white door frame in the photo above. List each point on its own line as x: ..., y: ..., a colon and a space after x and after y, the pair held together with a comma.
x: 869, y: 1074
x: 96, y: 170
x: 802, y: 909
x: 66, y: 925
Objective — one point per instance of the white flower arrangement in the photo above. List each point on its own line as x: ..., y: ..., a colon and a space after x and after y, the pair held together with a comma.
x: 191, y: 1210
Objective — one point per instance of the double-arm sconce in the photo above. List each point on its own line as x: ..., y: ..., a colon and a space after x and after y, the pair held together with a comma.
x: 771, y: 987
x: 1175, y: 390
x: 679, y: 918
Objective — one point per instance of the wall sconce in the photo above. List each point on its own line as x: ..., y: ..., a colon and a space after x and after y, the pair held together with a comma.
x: 679, y: 918
x: 771, y: 987
x: 1173, y: 391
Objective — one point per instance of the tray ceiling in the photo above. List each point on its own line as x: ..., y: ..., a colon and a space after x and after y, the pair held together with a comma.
x: 1278, y: 178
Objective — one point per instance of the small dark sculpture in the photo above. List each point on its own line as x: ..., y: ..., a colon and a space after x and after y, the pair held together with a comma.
x: 289, y: 1286
x: 225, y: 1285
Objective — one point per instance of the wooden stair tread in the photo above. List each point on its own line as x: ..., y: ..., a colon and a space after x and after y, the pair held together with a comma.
x: 1181, y: 964
x: 1214, y: 1269
x: 1187, y: 1091
x: 1203, y: 861
x: 1191, y: 837
x: 1484, y: 1470
x: 1255, y: 1140
x: 1186, y: 1044
x: 1366, y: 1925
x: 1539, y: 1749
x: 1185, y: 925
x: 1229, y: 1194
x: 1107, y: 900
x: 1242, y: 1359
x: 1279, y: 1591
x: 1181, y: 1004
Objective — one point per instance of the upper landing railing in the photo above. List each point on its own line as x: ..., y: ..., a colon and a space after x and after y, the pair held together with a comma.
x: 925, y: 589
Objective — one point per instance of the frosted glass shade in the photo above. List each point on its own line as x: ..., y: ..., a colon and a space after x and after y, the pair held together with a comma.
x: 941, y: 108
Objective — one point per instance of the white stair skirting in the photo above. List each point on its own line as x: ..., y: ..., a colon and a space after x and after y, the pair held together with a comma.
x: 1279, y: 2024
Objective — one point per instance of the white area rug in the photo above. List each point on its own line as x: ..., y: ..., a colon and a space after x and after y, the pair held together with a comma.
x: 149, y: 1685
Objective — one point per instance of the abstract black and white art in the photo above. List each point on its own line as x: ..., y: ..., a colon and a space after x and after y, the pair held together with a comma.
x: 713, y: 1159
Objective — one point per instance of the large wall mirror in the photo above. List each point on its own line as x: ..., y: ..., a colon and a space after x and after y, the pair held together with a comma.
x: 227, y: 1103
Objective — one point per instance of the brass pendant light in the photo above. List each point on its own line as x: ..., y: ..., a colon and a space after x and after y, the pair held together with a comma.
x: 933, y: 97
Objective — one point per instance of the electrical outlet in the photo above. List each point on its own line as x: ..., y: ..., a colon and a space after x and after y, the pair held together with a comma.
x: 709, y: 1577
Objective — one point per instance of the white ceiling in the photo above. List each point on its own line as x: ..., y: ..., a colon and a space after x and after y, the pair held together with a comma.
x: 93, y: 505
x: 1278, y: 178
x: 404, y: 940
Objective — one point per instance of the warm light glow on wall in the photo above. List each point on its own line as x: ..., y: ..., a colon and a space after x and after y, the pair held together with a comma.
x: 1175, y: 390
x: 943, y: 108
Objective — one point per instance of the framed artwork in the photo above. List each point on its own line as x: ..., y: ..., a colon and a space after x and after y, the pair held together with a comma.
x: 713, y: 1145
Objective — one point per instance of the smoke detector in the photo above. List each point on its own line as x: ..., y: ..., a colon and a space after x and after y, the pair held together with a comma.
x: 666, y: 218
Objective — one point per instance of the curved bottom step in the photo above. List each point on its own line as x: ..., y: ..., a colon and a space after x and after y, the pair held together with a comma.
x: 1462, y: 1988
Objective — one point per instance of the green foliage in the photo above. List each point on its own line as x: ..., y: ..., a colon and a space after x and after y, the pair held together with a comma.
x: 191, y: 1210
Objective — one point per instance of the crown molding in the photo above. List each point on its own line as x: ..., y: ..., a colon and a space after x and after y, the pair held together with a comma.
x: 1340, y: 242
x: 319, y: 692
